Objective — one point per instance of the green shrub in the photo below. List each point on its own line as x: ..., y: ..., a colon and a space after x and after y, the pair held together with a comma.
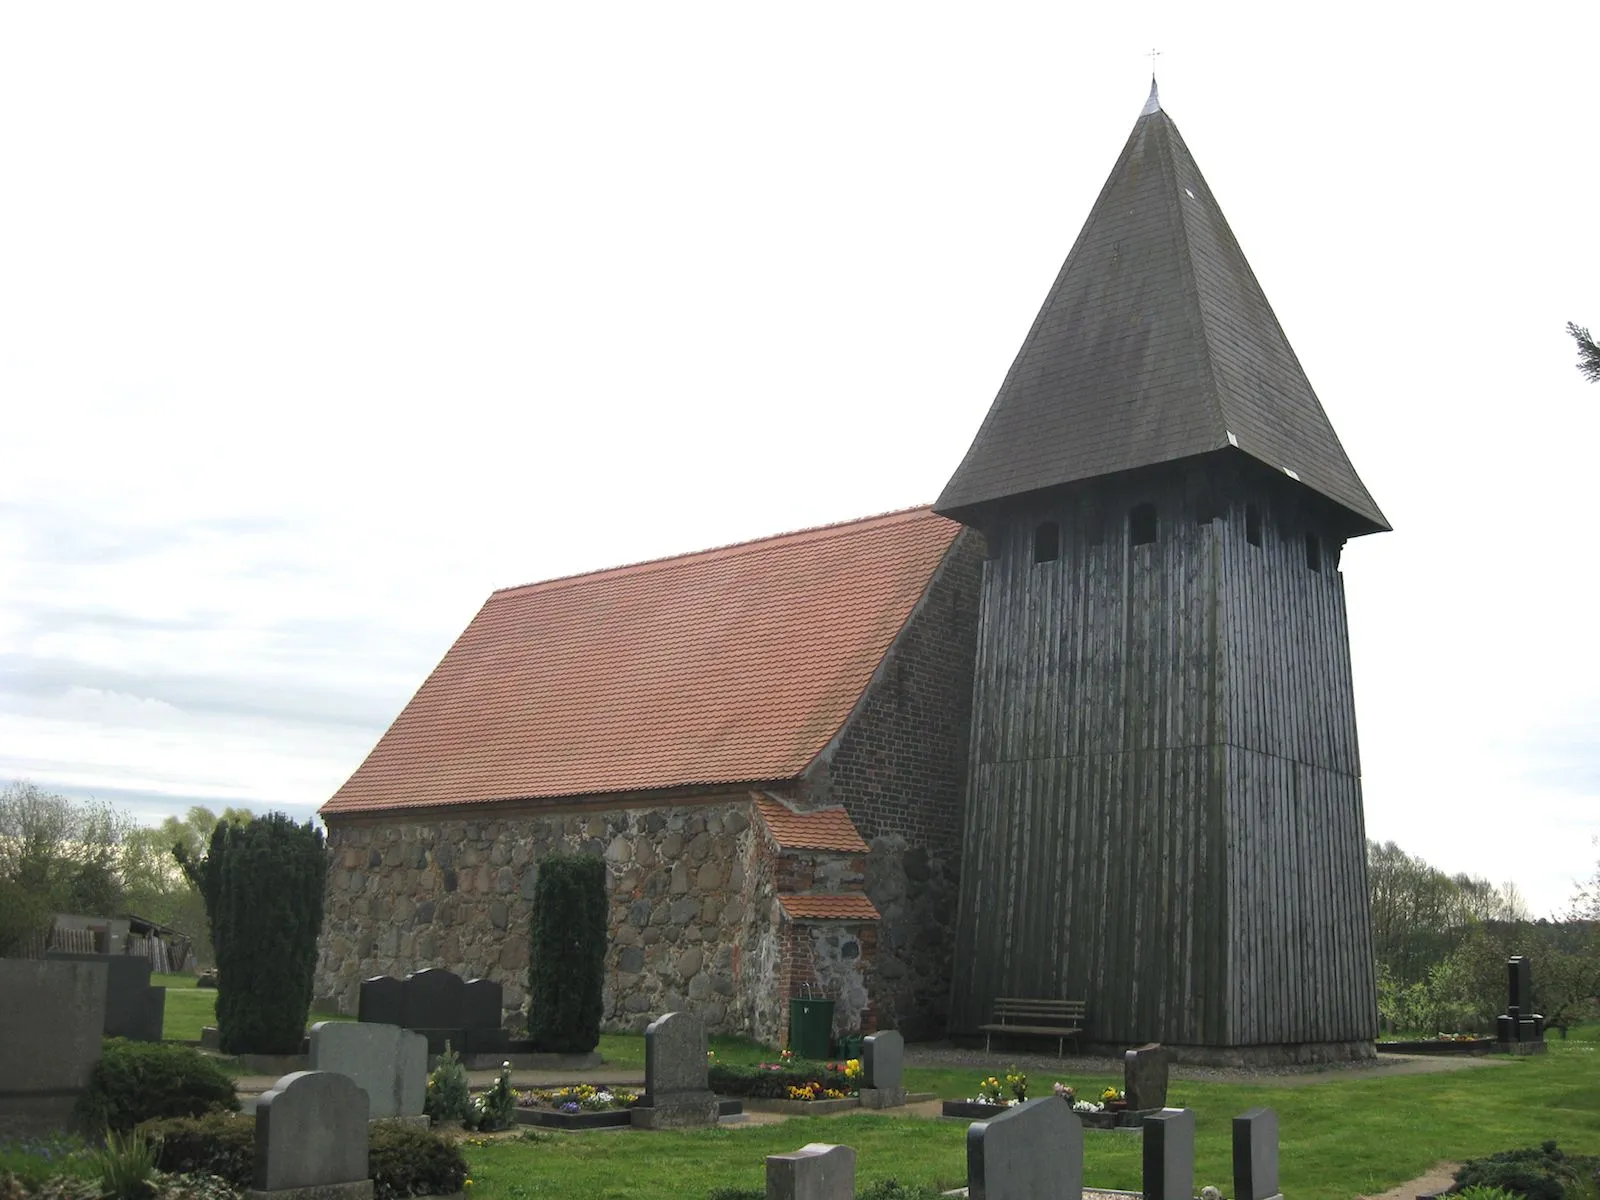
x: 219, y: 1143
x: 138, y: 1081
x: 405, y: 1160
x: 1479, y: 1192
x: 566, y: 972
x: 408, y: 1160
x: 262, y: 882
x: 1538, y: 1173
x: 449, y: 1095
x: 764, y: 1083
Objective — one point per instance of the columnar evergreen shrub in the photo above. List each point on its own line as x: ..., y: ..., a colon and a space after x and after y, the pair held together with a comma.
x: 568, y: 955
x: 263, y: 885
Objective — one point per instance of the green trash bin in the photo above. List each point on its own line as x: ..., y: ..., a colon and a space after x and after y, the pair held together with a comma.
x: 810, y: 1027
x: 850, y: 1047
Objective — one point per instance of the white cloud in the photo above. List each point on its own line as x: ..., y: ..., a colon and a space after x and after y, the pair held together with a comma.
x: 323, y: 323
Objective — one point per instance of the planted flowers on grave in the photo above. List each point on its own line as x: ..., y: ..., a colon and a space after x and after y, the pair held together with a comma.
x: 579, y: 1098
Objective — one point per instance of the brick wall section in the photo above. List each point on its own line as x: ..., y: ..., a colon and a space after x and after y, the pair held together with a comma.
x: 899, y: 768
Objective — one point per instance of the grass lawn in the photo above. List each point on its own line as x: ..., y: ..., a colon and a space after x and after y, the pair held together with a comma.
x: 1339, y: 1139
x: 189, y: 1008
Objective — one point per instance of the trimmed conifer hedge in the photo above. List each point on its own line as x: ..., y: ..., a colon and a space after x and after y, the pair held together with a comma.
x: 568, y: 956
x: 262, y: 882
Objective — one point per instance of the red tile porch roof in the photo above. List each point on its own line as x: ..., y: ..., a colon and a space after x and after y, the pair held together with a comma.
x: 822, y: 829
x: 732, y: 665
x: 829, y: 908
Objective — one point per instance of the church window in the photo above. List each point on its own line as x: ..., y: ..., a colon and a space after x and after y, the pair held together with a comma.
x: 1252, y: 524
x: 1313, y: 552
x: 1046, y: 542
x: 1142, y: 525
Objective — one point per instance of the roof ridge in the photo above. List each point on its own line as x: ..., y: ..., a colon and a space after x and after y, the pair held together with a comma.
x: 1191, y: 281
x: 808, y: 533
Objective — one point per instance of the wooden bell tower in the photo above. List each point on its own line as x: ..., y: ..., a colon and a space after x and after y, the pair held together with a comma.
x: 1164, y: 802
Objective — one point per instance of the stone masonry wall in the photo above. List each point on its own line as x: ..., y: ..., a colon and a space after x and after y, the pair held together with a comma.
x: 899, y: 768
x: 408, y: 894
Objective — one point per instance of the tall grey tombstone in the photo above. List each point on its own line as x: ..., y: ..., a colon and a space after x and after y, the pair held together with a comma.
x: 677, y: 1089
x: 1169, y: 1155
x: 134, y: 1009
x: 1255, y: 1155
x: 882, y: 1070
x: 1031, y: 1152
x: 1144, y: 1076
x: 311, y: 1133
x: 383, y: 1000
x: 816, y: 1171
x: 388, y: 1063
x: 1519, y: 969
x: 55, y: 1015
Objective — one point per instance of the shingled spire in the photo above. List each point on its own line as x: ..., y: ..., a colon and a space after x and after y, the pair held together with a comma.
x: 1155, y: 344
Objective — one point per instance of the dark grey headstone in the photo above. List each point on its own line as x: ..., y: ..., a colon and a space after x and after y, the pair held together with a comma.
x: 1031, y: 1152
x: 816, y: 1171
x: 1169, y: 1155
x: 383, y: 1000
x: 131, y: 1009
x: 1519, y: 972
x: 311, y: 1131
x: 1255, y: 1155
x: 883, y: 1060
x: 441, y: 1040
x: 1144, y: 1076
x: 55, y: 1015
x: 482, y: 1006
x: 433, y: 1000
x: 676, y: 1078
x: 386, y: 1062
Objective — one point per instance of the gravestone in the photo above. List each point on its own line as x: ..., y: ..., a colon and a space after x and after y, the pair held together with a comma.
x: 432, y: 1006
x: 1144, y: 1076
x: 882, y: 1070
x: 383, y: 1000
x: 1169, y: 1155
x: 1519, y: 1028
x: 55, y: 1015
x: 482, y: 1016
x: 677, y: 1091
x: 1255, y: 1155
x: 1031, y: 1152
x: 311, y: 1133
x: 134, y: 1009
x: 386, y: 1062
x: 816, y: 1171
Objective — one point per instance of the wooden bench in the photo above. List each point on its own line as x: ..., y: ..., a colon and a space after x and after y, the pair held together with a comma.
x: 1060, y: 1019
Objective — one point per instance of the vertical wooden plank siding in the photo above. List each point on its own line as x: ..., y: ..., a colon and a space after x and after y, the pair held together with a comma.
x: 1164, y: 807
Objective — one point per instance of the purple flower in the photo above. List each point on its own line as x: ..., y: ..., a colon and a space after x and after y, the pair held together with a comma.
x: 571, y: 1106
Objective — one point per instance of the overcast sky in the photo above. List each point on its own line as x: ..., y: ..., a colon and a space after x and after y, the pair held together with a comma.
x: 319, y: 322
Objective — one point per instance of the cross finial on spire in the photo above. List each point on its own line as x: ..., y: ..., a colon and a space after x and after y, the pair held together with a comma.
x: 1152, y: 105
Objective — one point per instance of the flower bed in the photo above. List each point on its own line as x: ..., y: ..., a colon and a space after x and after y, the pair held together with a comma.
x: 789, y: 1079
x: 996, y: 1095
x: 1445, y: 1043
x: 581, y: 1106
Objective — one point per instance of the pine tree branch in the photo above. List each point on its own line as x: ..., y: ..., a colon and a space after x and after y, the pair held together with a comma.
x: 1588, y: 352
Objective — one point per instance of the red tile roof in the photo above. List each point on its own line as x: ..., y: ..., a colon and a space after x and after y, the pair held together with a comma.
x: 733, y: 665
x: 829, y: 908
x: 824, y: 829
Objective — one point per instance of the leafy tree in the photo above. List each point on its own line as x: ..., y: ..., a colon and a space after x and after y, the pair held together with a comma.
x: 1588, y: 352
x: 262, y: 883
x: 566, y: 972
x: 57, y: 855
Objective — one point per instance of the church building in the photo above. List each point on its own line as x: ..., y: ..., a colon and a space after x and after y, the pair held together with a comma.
x: 1082, y: 730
